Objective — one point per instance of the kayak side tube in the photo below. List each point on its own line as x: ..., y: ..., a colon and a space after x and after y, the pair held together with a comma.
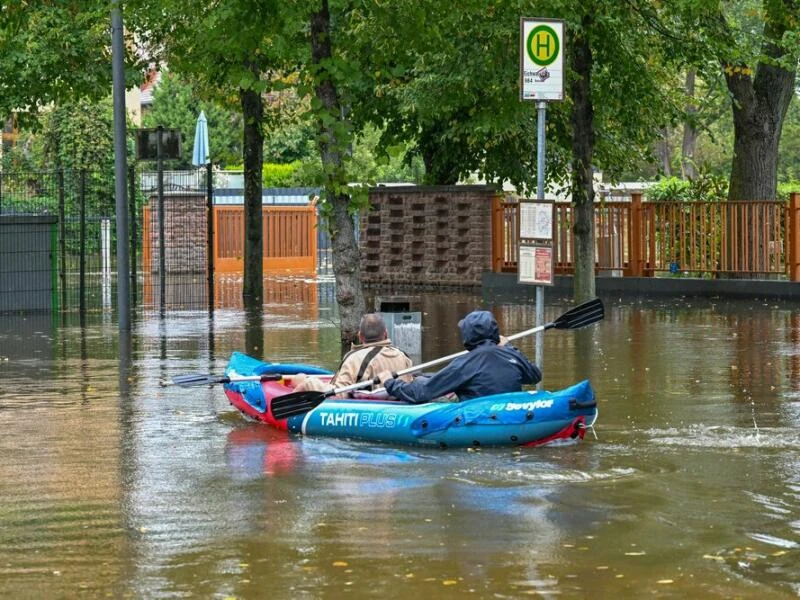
x: 516, y: 418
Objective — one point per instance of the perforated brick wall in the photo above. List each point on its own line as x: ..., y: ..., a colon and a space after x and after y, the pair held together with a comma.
x: 429, y: 237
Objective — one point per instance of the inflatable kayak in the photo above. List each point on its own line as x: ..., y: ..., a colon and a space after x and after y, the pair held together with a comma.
x: 525, y: 418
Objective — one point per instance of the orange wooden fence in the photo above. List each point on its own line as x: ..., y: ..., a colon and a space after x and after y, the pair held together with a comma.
x: 636, y: 238
x: 289, y: 241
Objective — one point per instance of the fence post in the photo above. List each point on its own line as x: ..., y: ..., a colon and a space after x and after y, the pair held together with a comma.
x: 636, y: 258
x: 133, y: 232
x: 793, y: 236
x: 498, y: 235
x: 210, y: 250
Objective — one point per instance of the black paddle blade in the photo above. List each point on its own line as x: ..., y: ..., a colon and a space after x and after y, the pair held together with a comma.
x: 581, y: 316
x: 296, y: 403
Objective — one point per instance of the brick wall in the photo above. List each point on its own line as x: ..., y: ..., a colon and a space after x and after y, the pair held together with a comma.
x: 427, y: 237
x: 185, y: 237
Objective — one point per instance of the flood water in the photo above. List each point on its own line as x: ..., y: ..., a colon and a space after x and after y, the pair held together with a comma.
x: 114, y: 486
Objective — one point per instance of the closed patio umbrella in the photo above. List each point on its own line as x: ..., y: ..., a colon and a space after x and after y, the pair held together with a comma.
x: 200, y: 154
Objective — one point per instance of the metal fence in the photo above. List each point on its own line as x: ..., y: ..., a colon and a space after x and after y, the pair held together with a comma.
x: 71, y: 264
x: 83, y: 233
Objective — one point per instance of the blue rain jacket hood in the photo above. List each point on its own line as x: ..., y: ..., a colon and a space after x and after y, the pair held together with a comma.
x: 477, y: 327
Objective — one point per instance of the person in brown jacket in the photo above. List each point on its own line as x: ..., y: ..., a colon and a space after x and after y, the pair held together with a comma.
x: 375, y: 354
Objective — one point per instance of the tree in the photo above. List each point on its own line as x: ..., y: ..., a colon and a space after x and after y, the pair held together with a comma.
x: 333, y: 139
x: 762, y: 84
x: 583, y: 142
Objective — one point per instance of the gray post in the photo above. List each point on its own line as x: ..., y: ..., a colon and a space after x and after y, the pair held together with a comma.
x: 541, y: 112
x: 162, y: 246
x: 82, y: 252
x: 120, y: 166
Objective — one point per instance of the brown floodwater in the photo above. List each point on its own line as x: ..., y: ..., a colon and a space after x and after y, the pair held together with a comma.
x: 112, y: 485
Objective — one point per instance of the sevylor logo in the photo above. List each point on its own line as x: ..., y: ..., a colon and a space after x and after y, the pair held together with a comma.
x: 522, y: 405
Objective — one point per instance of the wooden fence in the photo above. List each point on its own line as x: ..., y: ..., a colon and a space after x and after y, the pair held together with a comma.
x: 289, y: 240
x: 759, y: 239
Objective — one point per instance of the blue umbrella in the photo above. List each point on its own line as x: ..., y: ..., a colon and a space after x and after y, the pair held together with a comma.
x: 200, y: 154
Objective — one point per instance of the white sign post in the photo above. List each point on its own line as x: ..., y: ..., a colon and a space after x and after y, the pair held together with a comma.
x: 542, y: 80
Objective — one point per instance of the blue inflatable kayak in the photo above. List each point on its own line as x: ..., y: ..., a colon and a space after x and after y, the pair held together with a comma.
x: 513, y: 419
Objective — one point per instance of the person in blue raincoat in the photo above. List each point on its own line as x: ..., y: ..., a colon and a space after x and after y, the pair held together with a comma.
x: 490, y: 367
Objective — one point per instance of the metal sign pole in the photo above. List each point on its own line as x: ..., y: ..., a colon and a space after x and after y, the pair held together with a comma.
x: 120, y: 166
x: 541, y: 114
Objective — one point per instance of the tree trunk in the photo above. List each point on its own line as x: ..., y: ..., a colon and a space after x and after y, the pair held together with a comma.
x: 582, y: 154
x: 759, y: 103
x: 664, y: 154
x: 441, y: 163
x: 688, y: 170
x: 253, y: 114
x: 332, y: 142
x: 759, y: 108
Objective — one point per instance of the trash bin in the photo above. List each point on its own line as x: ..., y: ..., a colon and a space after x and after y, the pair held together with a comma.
x: 405, y: 331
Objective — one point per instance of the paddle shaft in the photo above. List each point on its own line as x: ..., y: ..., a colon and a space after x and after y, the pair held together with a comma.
x: 431, y: 363
x: 575, y: 318
x: 198, y: 380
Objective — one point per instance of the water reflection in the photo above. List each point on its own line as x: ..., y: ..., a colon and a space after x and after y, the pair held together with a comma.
x: 254, y: 451
x: 254, y: 333
x: 190, y: 292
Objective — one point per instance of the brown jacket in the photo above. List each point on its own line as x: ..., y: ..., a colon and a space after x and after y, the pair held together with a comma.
x: 387, y: 358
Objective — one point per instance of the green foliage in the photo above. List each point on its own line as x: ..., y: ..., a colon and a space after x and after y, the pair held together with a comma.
x: 669, y: 189
x: 789, y: 150
x: 278, y: 175
x: 706, y: 187
x: 54, y: 52
x: 455, y: 97
x: 788, y: 188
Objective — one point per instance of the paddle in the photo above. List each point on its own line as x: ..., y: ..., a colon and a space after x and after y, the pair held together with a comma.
x: 298, y: 403
x: 194, y: 380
